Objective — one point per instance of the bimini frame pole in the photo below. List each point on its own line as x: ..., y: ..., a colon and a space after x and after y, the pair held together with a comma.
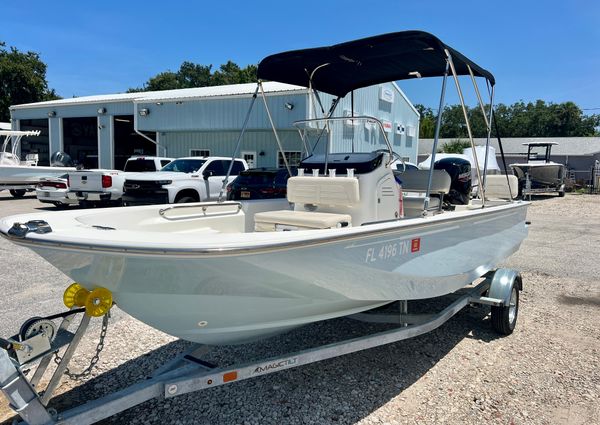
x: 262, y: 92
x: 488, y: 122
x: 239, y: 141
x: 464, y: 108
x: 435, y: 140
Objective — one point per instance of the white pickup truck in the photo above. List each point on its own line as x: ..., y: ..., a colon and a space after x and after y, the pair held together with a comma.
x: 105, y: 187
x: 190, y: 179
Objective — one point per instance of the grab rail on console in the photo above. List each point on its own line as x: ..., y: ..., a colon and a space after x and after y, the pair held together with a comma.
x: 204, y: 207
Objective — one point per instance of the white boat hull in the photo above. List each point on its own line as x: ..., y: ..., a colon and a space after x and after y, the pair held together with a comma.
x: 542, y: 175
x: 23, y: 175
x: 231, y: 295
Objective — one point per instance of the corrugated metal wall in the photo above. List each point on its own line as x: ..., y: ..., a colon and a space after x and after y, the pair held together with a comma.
x: 222, y: 143
x: 222, y: 113
x: 399, y: 112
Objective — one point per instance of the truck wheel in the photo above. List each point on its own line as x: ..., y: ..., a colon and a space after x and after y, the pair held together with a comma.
x: 17, y: 193
x: 185, y: 200
x: 561, y: 194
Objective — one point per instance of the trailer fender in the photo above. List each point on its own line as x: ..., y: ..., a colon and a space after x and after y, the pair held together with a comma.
x: 502, y: 283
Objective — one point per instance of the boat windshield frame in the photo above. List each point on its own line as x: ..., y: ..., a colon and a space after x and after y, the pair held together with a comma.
x: 535, y: 156
x: 327, y: 120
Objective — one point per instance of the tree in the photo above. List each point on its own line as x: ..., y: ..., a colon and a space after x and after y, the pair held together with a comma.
x: 427, y: 122
x: 195, y: 75
x: 22, y: 79
x: 455, y: 146
x: 533, y: 119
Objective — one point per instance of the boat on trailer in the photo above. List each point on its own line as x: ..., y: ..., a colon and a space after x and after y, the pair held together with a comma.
x: 229, y: 272
x: 19, y: 176
x: 232, y: 272
x: 540, y: 174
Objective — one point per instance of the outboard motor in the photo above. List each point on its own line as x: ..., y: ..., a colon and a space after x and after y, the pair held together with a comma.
x: 460, y: 175
x: 61, y: 159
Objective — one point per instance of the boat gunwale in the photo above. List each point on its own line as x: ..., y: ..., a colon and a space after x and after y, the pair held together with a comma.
x: 267, y: 247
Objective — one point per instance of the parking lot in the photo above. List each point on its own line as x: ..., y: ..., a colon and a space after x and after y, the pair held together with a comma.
x: 546, y: 372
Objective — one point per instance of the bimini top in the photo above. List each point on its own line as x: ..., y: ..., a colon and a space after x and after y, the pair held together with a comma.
x: 344, y: 67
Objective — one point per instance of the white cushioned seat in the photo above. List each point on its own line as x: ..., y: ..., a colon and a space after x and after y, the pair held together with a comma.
x: 416, y: 180
x: 270, y: 221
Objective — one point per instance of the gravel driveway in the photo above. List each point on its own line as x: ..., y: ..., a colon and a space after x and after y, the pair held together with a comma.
x: 546, y: 372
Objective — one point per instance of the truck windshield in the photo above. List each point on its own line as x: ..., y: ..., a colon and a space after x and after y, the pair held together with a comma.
x: 139, y: 165
x: 184, y: 165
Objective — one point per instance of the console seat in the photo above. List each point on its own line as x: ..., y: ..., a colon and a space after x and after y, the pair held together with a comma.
x: 271, y: 221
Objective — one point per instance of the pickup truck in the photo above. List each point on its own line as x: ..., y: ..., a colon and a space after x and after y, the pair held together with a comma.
x: 191, y: 179
x: 105, y: 187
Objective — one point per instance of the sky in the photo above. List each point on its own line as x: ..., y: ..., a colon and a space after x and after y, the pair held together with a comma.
x: 545, y: 49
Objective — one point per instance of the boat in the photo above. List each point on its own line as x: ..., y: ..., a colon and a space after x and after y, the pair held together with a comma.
x: 539, y: 174
x: 17, y: 175
x: 230, y: 272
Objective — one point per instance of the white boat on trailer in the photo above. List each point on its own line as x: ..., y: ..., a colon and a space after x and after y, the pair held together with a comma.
x: 232, y: 272
x: 540, y: 174
x: 19, y: 176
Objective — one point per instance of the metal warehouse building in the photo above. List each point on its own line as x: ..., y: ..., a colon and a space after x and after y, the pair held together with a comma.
x: 103, y: 131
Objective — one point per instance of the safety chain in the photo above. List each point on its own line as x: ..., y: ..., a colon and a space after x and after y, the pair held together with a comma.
x: 95, y: 358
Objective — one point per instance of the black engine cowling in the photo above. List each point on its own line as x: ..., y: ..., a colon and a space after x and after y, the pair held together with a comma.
x: 61, y: 159
x: 460, y: 174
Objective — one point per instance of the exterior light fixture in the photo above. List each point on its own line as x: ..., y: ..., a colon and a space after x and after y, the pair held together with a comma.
x: 51, y: 114
x: 143, y: 112
x: 101, y: 111
x: 289, y: 105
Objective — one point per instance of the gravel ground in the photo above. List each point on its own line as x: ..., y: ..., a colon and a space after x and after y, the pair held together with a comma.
x: 546, y: 372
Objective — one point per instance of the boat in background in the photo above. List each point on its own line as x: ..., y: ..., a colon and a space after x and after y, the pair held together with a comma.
x: 19, y: 176
x: 230, y: 272
x: 539, y: 174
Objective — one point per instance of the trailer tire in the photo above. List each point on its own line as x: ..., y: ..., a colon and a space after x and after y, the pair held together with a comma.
x: 17, y: 193
x: 504, y: 318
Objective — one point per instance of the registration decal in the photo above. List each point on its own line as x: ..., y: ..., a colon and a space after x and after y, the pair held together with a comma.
x: 415, y: 245
x: 388, y: 251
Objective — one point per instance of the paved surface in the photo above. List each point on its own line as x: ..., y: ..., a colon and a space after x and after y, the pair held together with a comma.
x: 546, y: 372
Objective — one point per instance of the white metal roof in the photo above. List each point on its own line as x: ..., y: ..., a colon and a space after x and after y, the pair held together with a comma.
x: 213, y: 91
x: 165, y: 95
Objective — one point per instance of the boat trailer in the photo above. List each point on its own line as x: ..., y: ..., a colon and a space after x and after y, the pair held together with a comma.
x: 39, y: 341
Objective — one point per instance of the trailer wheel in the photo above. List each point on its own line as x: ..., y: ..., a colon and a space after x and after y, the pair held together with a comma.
x: 504, y: 318
x: 17, y: 193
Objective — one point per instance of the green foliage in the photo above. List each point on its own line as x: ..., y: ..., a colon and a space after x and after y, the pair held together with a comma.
x: 195, y: 75
x: 456, y: 146
x: 22, y: 79
x: 426, y: 123
x: 539, y: 119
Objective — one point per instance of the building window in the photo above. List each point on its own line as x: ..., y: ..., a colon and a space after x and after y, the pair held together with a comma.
x: 199, y: 152
x: 293, y: 158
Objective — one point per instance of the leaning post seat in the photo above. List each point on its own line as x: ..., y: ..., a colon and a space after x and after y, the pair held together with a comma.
x: 415, y: 181
x: 330, y: 192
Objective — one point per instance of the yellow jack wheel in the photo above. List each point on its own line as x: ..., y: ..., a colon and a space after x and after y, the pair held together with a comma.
x: 75, y: 295
x: 97, y: 302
